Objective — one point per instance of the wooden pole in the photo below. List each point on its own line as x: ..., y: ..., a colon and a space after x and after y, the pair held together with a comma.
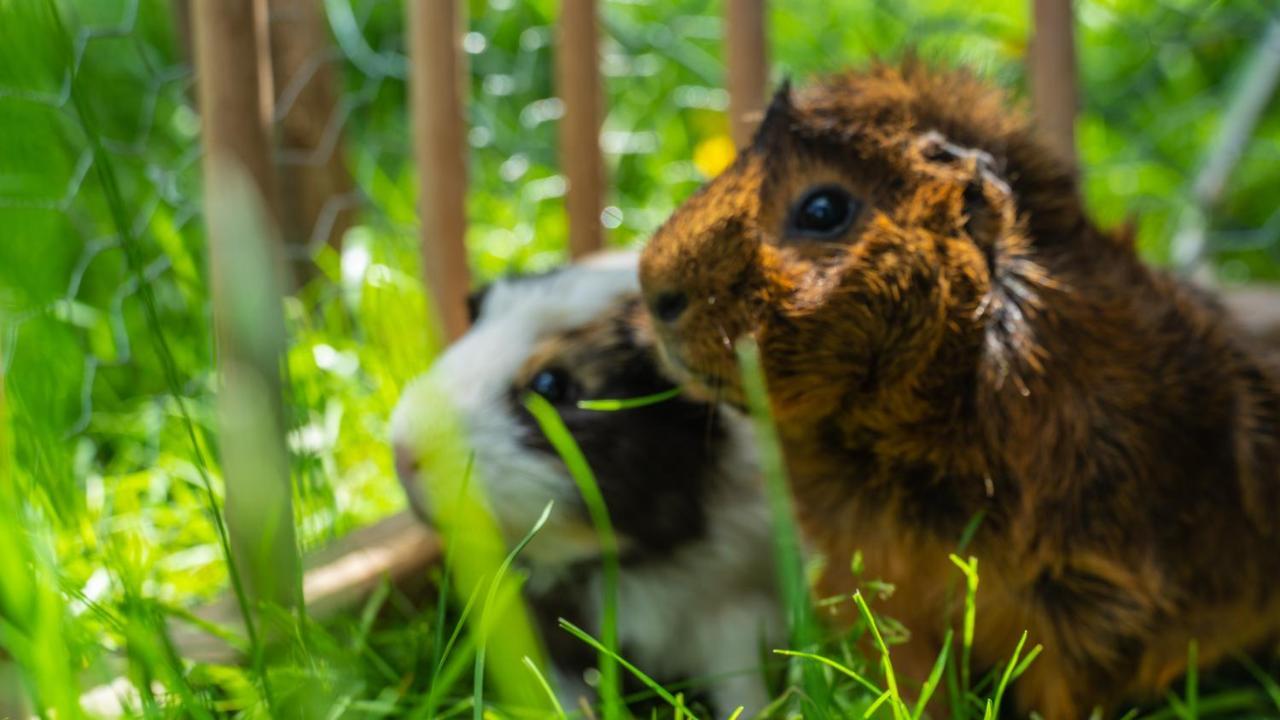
x: 229, y: 91
x: 245, y: 286
x: 313, y: 177
x: 266, y: 80
x: 747, y: 61
x: 436, y: 75
x: 1054, y: 86
x: 578, y: 85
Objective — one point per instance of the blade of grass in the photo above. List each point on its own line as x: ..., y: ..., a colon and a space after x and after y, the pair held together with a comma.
x: 843, y: 669
x: 455, y: 668
x: 1193, y: 681
x: 803, y: 627
x: 480, y: 549
x: 1269, y: 684
x: 442, y: 606
x: 970, y: 529
x: 613, y: 405
x: 970, y: 570
x: 874, y: 706
x: 600, y: 647
x: 546, y: 687
x: 31, y: 612
x: 438, y: 684
x: 1231, y: 701
x: 1026, y: 662
x: 1007, y: 676
x: 890, y: 678
x: 935, y: 675
x: 556, y: 432
x: 486, y: 612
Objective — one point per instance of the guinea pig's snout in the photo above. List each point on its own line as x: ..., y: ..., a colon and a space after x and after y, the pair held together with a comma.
x: 668, y: 305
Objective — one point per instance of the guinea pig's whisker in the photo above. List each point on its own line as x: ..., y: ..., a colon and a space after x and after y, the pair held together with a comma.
x: 710, y: 427
x: 724, y: 337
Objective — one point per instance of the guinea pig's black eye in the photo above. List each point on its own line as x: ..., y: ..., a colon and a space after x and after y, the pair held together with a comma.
x: 823, y: 212
x: 553, y: 384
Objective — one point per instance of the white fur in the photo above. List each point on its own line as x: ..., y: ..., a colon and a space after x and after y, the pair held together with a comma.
x: 700, y: 612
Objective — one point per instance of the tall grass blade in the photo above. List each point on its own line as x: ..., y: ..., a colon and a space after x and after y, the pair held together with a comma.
x: 554, y: 428
x: 639, y: 674
x: 970, y: 570
x: 898, y: 707
x: 838, y: 667
x: 1007, y: 676
x: 803, y: 626
x: 1193, y: 681
x: 935, y: 676
x: 479, y: 552
x: 491, y: 606
x: 439, y: 649
x: 875, y: 705
x: 546, y: 687
x: 613, y: 405
x: 32, y: 617
x: 1269, y: 684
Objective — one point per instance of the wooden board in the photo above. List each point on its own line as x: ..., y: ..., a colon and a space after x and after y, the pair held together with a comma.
x: 398, y: 549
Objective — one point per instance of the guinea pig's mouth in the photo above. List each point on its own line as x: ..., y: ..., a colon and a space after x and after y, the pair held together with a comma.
x: 707, y: 385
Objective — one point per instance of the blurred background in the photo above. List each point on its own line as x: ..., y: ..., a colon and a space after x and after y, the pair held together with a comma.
x: 105, y: 310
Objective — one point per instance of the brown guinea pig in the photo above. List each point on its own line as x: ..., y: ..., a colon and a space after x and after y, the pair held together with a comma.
x: 944, y: 334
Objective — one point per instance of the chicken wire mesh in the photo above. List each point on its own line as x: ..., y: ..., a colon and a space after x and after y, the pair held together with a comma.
x: 105, y: 445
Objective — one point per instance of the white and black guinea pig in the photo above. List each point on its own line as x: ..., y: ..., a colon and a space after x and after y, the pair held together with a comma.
x: 696, y: 596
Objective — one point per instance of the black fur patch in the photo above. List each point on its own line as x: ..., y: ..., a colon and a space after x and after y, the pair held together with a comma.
x: 653, y: 463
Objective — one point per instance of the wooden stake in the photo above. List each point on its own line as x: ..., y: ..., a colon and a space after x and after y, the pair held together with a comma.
x: 436, y: 76
x: 1054, y: 88
x: 245, y: 286
x: 229, y: 91
x: 578, y: 85
x: 398, y: 549
x: 746, y: 58
x: 314, y: 182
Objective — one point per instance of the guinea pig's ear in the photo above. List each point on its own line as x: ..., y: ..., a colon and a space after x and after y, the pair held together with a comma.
x: 776, y: 125
x: 475, y: 302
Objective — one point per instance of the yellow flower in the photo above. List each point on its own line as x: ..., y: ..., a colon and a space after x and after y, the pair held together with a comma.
x: 713, y: 155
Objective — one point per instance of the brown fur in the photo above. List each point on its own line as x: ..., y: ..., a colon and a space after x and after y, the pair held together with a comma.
x: 975, y: 344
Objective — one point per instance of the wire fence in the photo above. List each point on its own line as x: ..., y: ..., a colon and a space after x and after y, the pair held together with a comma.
x: 95, y: 423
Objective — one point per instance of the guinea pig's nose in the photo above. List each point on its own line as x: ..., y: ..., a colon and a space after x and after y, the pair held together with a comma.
x: 669, y: 305
x: 406, y: 463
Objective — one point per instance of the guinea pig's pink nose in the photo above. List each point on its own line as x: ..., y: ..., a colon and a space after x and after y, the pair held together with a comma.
x: 406, y: 463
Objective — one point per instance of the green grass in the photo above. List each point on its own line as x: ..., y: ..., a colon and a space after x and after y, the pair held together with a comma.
x: 111, y: 472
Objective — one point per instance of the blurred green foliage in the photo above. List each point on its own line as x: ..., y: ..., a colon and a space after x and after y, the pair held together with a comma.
x: 104, y: 473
